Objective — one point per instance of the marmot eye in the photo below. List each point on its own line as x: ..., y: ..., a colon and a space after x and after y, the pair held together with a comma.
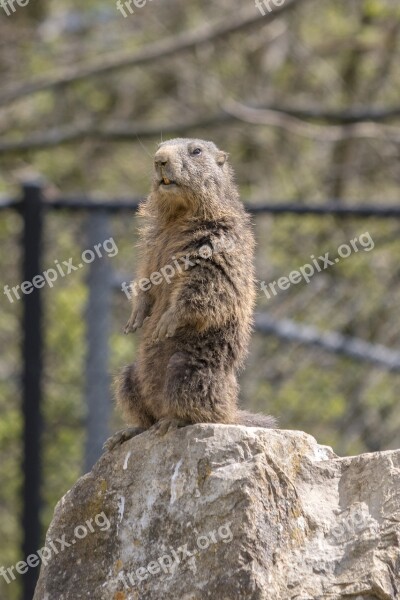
x: 196, y: 151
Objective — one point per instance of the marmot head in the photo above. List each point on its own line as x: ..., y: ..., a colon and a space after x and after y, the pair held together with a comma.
x: 191, y: 175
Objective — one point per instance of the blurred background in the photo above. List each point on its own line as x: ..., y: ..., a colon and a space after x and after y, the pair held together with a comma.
x: 304, y: 95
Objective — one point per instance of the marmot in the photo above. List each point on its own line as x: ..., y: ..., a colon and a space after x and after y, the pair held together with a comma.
x: 195, y: 298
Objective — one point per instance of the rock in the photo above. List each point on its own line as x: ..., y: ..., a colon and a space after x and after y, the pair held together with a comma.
x: 227, y: 512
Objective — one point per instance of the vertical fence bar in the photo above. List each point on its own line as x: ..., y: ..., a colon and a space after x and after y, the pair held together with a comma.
x: 32, y: 348
x: 98, y: 326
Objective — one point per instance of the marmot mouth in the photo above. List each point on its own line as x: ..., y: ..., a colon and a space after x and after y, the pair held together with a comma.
x: 165, y: 181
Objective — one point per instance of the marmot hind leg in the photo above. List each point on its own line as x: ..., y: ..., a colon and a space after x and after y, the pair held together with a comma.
x: 195, y: 392
x: 129, y: 398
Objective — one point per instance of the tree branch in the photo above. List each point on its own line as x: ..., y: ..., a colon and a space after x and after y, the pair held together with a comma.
x: 151, y: 52
x: 330, y: 341
x: 320, y: 133
x: 120, y: 132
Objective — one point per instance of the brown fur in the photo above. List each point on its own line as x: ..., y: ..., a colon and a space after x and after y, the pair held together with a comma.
x: 195, y: 329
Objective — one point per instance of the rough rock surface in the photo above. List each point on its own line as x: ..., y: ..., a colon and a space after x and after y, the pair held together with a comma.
x: 228, y: 512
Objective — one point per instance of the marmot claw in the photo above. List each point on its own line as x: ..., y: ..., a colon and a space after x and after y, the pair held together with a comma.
x: 166, y: 326
x: 165, y: 425
x: 122, y: 436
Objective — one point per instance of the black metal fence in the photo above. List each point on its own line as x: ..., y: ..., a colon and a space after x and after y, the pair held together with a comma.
x: 34, y: 210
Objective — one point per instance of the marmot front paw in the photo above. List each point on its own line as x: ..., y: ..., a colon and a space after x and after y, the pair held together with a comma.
x: 166, y: 326
x: 136, y: 320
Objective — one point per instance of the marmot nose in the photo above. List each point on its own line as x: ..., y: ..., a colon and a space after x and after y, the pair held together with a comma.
x: 161, y: 159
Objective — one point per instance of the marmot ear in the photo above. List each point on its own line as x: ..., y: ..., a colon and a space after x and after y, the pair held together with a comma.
x: 221, y: 158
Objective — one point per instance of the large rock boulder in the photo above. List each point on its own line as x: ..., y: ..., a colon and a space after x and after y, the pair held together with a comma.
x: 227, y: 512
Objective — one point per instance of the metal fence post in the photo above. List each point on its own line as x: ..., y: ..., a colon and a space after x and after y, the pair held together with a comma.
x: 98, y: 328
x: 32, y: 348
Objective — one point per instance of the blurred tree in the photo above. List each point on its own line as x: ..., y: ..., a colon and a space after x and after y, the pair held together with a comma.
x: 305, y: 100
